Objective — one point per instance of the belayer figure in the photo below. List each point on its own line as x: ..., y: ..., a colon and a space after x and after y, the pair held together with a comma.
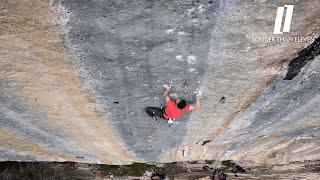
x: 173, y: 109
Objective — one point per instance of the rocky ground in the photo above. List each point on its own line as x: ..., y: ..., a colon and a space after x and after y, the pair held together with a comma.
x: 76, y: 76
x: 180, y: 170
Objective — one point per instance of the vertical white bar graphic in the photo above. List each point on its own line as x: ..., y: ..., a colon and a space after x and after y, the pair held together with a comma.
x: 287, y: 21
x: 278, y: 22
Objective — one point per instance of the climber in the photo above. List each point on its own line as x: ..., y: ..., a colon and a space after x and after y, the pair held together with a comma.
x: 173, y: 109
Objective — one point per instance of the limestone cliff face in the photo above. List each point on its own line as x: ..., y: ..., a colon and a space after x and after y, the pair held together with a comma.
x: 45, y: 112
x: 77, y: 75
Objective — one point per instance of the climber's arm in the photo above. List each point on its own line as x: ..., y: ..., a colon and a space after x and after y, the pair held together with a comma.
x: 196, y: 105
x: 166, y: 92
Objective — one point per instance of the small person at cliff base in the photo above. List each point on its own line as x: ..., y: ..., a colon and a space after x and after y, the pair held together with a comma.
x: 173, y: 109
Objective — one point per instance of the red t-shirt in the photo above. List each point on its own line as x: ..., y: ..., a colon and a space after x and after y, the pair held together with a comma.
x: 172, y: 111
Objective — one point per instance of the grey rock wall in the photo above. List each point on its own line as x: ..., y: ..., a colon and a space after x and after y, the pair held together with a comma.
x: 80, y: 73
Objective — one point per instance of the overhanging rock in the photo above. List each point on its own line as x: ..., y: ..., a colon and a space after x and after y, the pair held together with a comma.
x: 77, y: 75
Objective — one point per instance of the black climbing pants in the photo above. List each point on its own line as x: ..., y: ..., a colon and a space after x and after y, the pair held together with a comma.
x: 155, y: 111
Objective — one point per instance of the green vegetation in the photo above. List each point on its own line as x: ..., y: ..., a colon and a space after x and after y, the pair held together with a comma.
x: 136, y: 169
x: 193, y: 162
x: 313, y: 167
x: 36, y: 170
x: 209, y: 161
x: 228, y: 164
x: 139, y: 168
x: 107, y: 168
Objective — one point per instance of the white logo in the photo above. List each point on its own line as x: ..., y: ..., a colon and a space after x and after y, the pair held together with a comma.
x: 287, y: 20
